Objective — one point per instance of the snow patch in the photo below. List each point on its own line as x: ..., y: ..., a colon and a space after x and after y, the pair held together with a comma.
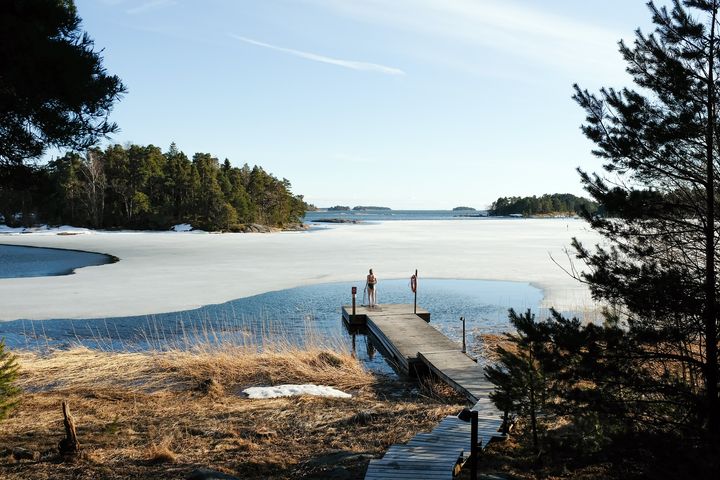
x: 181, y: 227
x: 6, y: 229
x: 45, y: 230
x: 294, y: 390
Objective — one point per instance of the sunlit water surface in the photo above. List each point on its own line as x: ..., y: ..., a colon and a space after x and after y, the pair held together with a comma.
x: 302, y: 315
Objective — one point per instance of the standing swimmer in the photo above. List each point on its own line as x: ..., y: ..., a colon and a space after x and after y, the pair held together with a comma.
x: 371, y: 282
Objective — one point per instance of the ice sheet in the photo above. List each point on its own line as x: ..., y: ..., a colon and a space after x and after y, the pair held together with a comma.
x: 164, y: 272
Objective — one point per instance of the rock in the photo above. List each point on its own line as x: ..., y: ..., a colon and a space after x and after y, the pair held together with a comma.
x: 20, y: 453
x: 250, y: 228
x: 256, y: 228
x: 206, y: 474
x: 339, y: 457
x: 336, y: 220
x: 296, y: 227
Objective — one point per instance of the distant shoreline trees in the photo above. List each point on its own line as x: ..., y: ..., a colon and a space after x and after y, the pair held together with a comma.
x: 140, y: 187
x: 556, y: 203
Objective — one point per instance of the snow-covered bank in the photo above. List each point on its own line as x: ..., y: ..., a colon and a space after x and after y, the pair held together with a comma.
x: 45, y: 230
x: 161, y: 272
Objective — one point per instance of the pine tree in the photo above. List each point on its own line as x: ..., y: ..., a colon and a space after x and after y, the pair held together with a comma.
x: 659, y: 145
x: 54, y: 90
x: 8, y: 374
x: 521, y: 386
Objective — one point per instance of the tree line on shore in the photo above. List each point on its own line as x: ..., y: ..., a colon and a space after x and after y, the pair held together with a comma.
x: 556, y: 203
x: 139, y: 186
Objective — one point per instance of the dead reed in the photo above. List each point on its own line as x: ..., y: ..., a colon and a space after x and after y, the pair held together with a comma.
x: 163, y: 414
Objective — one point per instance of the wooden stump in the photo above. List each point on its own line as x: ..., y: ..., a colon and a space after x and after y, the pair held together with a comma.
x: 69, y: 445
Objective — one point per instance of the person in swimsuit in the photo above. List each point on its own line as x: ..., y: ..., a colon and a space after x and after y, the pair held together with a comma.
x: 371, y: 282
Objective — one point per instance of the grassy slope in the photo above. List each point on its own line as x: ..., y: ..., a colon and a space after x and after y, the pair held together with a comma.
x: 162, y: 415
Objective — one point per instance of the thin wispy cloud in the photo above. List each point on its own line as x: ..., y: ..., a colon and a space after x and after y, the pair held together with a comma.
x: 500, y: 25
x: 151, y: 5
x: 351, y: 64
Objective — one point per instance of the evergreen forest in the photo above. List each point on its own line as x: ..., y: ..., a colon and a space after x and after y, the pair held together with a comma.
x: 556, y: 203
x: 141, y: 187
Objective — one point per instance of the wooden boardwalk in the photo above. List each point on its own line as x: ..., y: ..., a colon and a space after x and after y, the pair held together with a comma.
x: 362, y: 312
x: 434, y: 455
x: 414, y: 345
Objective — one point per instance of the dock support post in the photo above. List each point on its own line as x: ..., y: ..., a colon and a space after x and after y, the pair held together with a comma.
x: 473, y: 445
x: 462, y: 319
x: 416, y: 282
x: 354, y: 293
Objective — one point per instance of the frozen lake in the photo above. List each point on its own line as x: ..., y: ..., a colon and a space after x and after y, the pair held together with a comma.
x: 161, y: 272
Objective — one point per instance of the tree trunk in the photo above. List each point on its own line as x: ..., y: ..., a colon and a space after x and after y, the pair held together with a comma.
x: 710, y: 313
x: 533, y: 421
x: 69, y: 445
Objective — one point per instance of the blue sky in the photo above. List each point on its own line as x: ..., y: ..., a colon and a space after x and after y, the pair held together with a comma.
x: 401, y: 103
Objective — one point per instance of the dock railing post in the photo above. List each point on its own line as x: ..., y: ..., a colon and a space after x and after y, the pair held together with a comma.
x: 471, y: 416
x: 354, y: 293
x: 462, y: 319
x: 473, y: 445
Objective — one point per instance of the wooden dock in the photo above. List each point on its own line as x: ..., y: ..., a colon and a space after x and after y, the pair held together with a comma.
x: 434, y: 455
x: 413, y: 345
x: 362, y: 312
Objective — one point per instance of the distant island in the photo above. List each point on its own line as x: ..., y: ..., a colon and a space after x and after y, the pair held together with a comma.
x: 556, y: 204
x: 463, y: 209
x: 338, y: 208
x: 361, y: 207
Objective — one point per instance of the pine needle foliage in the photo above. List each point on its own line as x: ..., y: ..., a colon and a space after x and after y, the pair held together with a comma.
x: 521, y: 384
x: 658, y: 266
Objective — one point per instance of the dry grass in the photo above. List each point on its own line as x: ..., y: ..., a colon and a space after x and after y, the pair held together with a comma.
x: 161, y: 453
x: 486, y: 345
x: 162, y: 415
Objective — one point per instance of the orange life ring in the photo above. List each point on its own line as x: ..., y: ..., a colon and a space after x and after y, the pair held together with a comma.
x: 413, y: 283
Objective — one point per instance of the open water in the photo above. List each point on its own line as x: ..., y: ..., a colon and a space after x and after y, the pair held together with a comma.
x: 16, y: 261
x: 385, y: 215
x: 297, y: 315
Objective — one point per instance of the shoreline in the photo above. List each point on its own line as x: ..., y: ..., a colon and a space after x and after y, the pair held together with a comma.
x: 162, y: 273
